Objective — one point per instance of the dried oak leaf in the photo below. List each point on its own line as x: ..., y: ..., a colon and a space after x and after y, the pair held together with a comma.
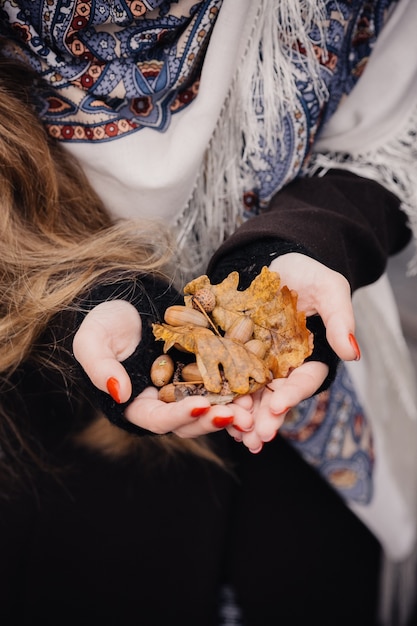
x: 183, y: 337
x: 272, y: 308
x: 217, y: 357
x: 242, y: 370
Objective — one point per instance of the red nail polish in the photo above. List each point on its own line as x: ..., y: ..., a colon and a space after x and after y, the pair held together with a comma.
x: 221, y: 422
x: 113, y: 388
x: 199, y: 410
x: 243, y: 430
x: 287, y: 408
x: 354, y: 344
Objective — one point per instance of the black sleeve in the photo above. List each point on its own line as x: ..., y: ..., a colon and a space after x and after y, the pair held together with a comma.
x: 349, y: 223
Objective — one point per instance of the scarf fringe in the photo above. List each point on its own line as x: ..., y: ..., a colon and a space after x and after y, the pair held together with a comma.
x: 393, y: 165
x: 263, y: 90
x: 398, y: 584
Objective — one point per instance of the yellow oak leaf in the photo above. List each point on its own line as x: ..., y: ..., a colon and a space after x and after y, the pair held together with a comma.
x: 218, y: 358
x: 273, y: 310
x: 264, y: 314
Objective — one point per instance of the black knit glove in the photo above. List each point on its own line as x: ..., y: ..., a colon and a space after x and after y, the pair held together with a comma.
x: 151, y: 297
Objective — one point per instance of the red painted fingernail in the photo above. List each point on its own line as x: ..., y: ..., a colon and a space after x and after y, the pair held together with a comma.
x: 355, y: 346
x: 243, y: 430
x: 221, y: 422
x: 287, y: 408
x: 113, y: 388
x: 199, y: 410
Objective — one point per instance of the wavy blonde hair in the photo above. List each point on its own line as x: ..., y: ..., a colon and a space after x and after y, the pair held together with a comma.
x: 56, y: 240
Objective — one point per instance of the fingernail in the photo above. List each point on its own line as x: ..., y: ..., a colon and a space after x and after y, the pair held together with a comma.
x: 287, y: 408
x: 113, y: 388
x: 270, y: 438
x: 199, y: 410
x: 243, y: 430
x: 256, y: 450
x: 221, y: 422
x: 355, y: 346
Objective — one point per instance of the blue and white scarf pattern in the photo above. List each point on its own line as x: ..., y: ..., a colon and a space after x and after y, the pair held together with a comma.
x: 115, y: 67
x: 112, y: 67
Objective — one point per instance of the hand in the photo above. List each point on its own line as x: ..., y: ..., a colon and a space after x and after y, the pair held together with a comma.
x: 109, y: 334
x: 270, y: 405
x: 323, y: 291
x: 320, y: 290
x: 188, y: 418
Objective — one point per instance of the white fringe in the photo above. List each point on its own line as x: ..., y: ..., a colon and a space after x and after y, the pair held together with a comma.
x: 263, y: 90
x: 398, y: 584
x: 393, y: 164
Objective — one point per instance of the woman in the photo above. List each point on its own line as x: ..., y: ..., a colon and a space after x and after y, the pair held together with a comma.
x: 113, y: 76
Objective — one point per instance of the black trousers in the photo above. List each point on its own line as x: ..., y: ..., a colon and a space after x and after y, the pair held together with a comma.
x: 297, y: 554
x: 123, y: 544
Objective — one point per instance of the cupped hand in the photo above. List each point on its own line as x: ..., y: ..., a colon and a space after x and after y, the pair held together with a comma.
x: 110, y: 333
x: 320, y: 291
x: 191, y: 417
x: 323, y: 291
x: 269, y: 406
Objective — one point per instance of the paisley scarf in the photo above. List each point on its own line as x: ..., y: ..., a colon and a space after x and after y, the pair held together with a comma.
x: 111, y: 67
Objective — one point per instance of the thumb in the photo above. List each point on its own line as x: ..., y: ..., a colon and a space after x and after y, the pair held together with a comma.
x: 108, y: 334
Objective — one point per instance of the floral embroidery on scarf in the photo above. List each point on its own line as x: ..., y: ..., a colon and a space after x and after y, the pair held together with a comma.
x: 113, y: 67
x: 117, y: 67
x: 350, y: 30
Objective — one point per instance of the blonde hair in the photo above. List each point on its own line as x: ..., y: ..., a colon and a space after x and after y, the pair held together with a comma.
x: 56, y: 240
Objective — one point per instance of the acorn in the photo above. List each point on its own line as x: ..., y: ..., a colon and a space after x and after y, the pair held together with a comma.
x: 205, y: 299
x: 241, y: 330
x: 256, y: 347
x: 178, y: 315
x: 191, y: 374
x: 167, y: 393
x: 162, y: 370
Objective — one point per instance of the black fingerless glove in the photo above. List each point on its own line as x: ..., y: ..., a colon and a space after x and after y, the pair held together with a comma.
x: 248, y: 261
x: 151, y: 297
